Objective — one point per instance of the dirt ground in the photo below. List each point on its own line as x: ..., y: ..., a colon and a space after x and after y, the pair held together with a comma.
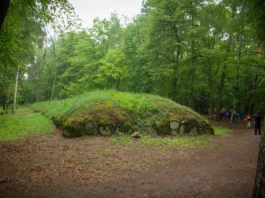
x: 56, y: 167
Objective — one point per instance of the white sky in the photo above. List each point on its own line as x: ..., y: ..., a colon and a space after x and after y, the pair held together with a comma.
x: 88, y: 10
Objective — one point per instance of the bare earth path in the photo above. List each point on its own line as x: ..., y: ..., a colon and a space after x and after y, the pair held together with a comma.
x: 53, y: 166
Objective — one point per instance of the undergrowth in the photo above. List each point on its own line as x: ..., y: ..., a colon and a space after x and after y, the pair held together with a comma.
x: 24, y: 123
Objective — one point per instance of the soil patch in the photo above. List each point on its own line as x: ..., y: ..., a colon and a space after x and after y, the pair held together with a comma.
x: 54, y: 166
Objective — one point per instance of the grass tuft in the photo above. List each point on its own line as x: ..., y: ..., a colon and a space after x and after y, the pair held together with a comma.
x: 221, y: 131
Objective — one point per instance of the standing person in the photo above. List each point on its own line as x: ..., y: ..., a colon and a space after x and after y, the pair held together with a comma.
x: 221, y: 114
x: 248, y: 119
x: 230, y: 112
x: 224, y: 115
x: 257, y: 123
x: 237, y: 116
x: 241, y: 114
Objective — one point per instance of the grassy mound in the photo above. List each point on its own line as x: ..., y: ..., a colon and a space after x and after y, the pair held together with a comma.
x: 107, y: 112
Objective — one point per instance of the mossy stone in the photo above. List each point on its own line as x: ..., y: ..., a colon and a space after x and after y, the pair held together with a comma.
x: 192, y: 126
x: 209, y: 130
x: 73, y: 130
x: 105, y: 130
x: 126, y: 128
x: 90, y: 129
x: 163, y: 128
x: 174, y: 127
x: 182, y: 129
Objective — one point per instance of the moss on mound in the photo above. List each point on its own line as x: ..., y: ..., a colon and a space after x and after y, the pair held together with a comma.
x: 107, y: 112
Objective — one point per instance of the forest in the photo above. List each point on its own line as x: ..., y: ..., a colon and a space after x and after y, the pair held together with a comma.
x: 202, y: 54
x: 155, y: 84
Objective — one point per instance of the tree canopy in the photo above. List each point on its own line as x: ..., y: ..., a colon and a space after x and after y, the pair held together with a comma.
x: 202, y: 54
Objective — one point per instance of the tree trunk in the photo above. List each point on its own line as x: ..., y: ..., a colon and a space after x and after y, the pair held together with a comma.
x: 174, y: 80
x: 118, y: 84
x: 259, y: 186
x: 228, y: 46
x: 3, y: 11
x: 15, y: 93
x: 211, y: 101
x: 222, y: 81
x: 36, y: 91
x: 53, y: 86
x: 4, y: 102
x: 251, y: 105
x: 192, y: 79
x: 174, y: 88
x: 8, y: 93
x: 236, y: 86
x: 193, y: 69
x: 220, y: 93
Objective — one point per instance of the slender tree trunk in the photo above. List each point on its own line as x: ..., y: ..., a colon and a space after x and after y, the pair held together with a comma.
x: 15, y: 93
x: 118, y: 84
x: 174, y: 80
x: 53, y: 86
x: 193, y: 69
x: 37, y: 91
x: 236, y: 86
x: 8, y: 93
x: 222, y: 81
x: 192, y: 79
x: 220, y: 93
x: 5, y: 98
x: 4, y: 102
x: 251, y: 105
x: 211, y: 100
x: 174, y: 88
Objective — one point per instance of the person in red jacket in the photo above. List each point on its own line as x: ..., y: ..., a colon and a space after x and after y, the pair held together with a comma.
x: 248, y: 119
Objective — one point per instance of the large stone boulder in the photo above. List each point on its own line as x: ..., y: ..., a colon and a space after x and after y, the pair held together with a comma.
x: 105, y: 130
x: 174, y: 126
x: 90, y: 129
x: 162, y: 127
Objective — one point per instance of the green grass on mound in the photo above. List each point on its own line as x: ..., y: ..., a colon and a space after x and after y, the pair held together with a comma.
x: 111, y: 108
x: 24, y: 123
x: 135, y: 103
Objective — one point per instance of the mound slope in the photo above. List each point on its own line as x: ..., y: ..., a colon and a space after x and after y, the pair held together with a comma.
x: 109, y: 112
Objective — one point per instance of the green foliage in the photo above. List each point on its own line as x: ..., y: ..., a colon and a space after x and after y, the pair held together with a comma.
x: 221, y: 131
x: 197, y: 53
x: 179, y: 141
x: 112, y: 70
x: 24, y: 123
